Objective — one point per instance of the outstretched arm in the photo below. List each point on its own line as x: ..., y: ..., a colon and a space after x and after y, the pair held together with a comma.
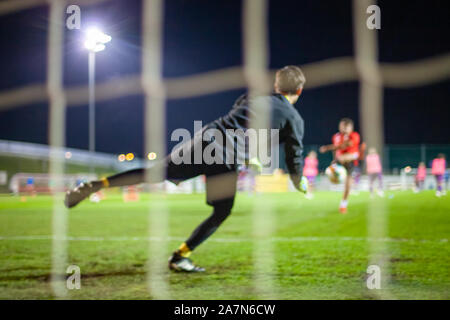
x: 326, y: 148
x: 332, y: 147
x: 294, y: 152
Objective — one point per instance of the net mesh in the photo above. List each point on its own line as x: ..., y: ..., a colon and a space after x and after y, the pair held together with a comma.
x: 255, y: 75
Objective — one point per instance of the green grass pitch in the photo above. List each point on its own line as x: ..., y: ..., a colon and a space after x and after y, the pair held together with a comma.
x: 318, y: 253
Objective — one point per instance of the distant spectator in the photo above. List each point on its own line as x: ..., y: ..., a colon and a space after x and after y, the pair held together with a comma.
x: 310, y: 171
x: 438, y: 170
x: 375, y: 171
x: 420, y: 177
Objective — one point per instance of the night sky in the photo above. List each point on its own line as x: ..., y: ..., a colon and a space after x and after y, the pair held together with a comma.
x: 206, y: 35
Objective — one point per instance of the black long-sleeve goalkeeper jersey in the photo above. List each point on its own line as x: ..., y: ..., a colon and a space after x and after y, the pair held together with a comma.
x: 284, y: 117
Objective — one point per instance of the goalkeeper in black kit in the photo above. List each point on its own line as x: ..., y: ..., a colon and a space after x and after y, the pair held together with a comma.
x: 221, y: 174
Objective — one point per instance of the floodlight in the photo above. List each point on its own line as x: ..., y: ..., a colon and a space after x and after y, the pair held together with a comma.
x: 96, y: 39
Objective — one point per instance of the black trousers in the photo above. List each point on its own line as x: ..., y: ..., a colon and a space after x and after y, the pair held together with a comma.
x: 220, y: 186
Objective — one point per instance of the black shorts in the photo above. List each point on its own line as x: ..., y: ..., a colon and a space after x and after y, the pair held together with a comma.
x: 220, y: 181
x: 349, y: 166
x: 183, y: 171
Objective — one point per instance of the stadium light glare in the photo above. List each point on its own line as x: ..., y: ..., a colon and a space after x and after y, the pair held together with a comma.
x: 121, y: 157
x: 152, y: 156
x: 96, y: 40
x: 130, y: 156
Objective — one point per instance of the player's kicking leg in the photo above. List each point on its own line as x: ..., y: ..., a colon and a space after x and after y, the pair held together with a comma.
x: 84, y: 190
x: 346, y: 161
x: 220, y: 189
x: 347, y: 187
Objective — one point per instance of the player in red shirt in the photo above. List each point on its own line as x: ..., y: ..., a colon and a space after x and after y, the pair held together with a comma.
x: 346, y: 151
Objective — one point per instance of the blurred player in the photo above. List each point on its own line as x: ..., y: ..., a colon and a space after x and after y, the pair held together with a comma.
x: 374, y: 171
x: 310, y: 171
x: 247, y: 179
x: 420, y: 177
x: 221, y: 174
x: 346, y: 150
x: 438, y: 170
x: 30, y: 187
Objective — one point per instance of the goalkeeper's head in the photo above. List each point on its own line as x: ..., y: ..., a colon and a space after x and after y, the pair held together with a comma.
x: 289, y: 81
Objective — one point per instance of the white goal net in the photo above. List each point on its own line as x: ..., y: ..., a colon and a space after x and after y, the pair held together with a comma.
x: 255, y: 75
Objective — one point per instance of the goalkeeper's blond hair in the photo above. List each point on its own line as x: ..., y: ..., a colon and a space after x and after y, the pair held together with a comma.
x: 289, y: 80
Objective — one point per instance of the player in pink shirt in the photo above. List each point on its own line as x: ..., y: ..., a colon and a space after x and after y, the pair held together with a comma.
x: 438, y: 170
x: 420, y: 177
x: 310, y: 171
x: 375, y: 171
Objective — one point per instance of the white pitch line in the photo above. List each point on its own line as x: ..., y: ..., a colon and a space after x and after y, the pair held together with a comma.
x: 275, y: 239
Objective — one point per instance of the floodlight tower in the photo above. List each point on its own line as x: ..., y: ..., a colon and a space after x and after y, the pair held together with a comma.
x: 95, y: 42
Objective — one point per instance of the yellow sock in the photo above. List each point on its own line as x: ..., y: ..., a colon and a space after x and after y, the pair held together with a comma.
x: 105, y: 182
x: 184, y: 250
